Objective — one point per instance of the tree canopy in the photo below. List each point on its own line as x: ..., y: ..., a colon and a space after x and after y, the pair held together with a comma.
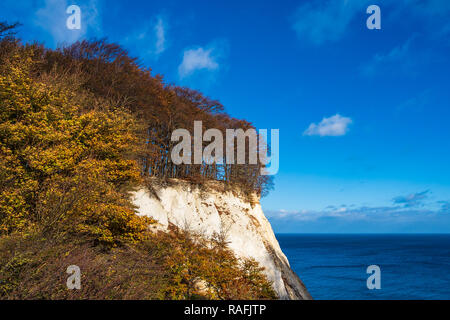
x: 80, y: 127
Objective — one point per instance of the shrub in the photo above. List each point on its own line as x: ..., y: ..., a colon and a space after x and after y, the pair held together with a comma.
x: 61, y: 166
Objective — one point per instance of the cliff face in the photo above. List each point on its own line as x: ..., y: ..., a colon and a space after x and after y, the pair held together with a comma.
x: 248, y: 231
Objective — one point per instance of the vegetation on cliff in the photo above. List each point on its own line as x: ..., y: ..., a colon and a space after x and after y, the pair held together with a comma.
x: 80, y: 127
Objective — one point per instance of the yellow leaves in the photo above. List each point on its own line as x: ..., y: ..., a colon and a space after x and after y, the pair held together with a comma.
x: 54, y: 159
x: 107, y: 134
x: 65, y: 169
x: 13, y: 211
x: 66, y: 165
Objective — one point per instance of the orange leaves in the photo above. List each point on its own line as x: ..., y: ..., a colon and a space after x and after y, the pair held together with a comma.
x: 200, y: 268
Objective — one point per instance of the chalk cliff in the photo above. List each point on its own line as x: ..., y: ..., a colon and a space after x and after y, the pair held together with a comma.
x: 207, y: 211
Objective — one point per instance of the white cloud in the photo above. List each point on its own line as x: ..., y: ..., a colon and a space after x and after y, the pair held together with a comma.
x: 336, y: 125
x: 197, y: 59
x: 160, y: 36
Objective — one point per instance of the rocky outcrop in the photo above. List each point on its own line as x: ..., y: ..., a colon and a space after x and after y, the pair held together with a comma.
x: 217, y: 211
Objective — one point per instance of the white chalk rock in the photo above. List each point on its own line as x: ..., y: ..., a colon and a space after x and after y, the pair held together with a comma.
x: 248, y: 231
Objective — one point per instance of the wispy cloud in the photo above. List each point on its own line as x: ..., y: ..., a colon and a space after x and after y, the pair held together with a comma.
x: 52, y: 17
x: 400, y: 58
x: 150, y: 39
x: 200, y: 58
x: 325, y: 21
x: 431, y: 8
x: 381, y: 213
x: 404, y: 209
x: 412, y: 200
x: 321, y: 22
x: 418, y: 102
x: 409, y: 207
x: 160, y: 36
x: 445, y: 206
x: 414, y: 53
x: 390, y: 219
x: 336, y: 125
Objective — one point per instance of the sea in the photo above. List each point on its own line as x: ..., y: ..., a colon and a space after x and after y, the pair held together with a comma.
x: 334, y: 266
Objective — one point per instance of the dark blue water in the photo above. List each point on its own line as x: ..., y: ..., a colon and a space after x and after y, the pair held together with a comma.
x: 334, y: 266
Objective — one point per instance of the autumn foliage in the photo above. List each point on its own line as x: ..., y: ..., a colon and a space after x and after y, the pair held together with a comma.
x: 58, y: 163
x: 80, y: 127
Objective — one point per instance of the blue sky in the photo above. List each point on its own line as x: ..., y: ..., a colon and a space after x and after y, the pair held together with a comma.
x: 363, y: 114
